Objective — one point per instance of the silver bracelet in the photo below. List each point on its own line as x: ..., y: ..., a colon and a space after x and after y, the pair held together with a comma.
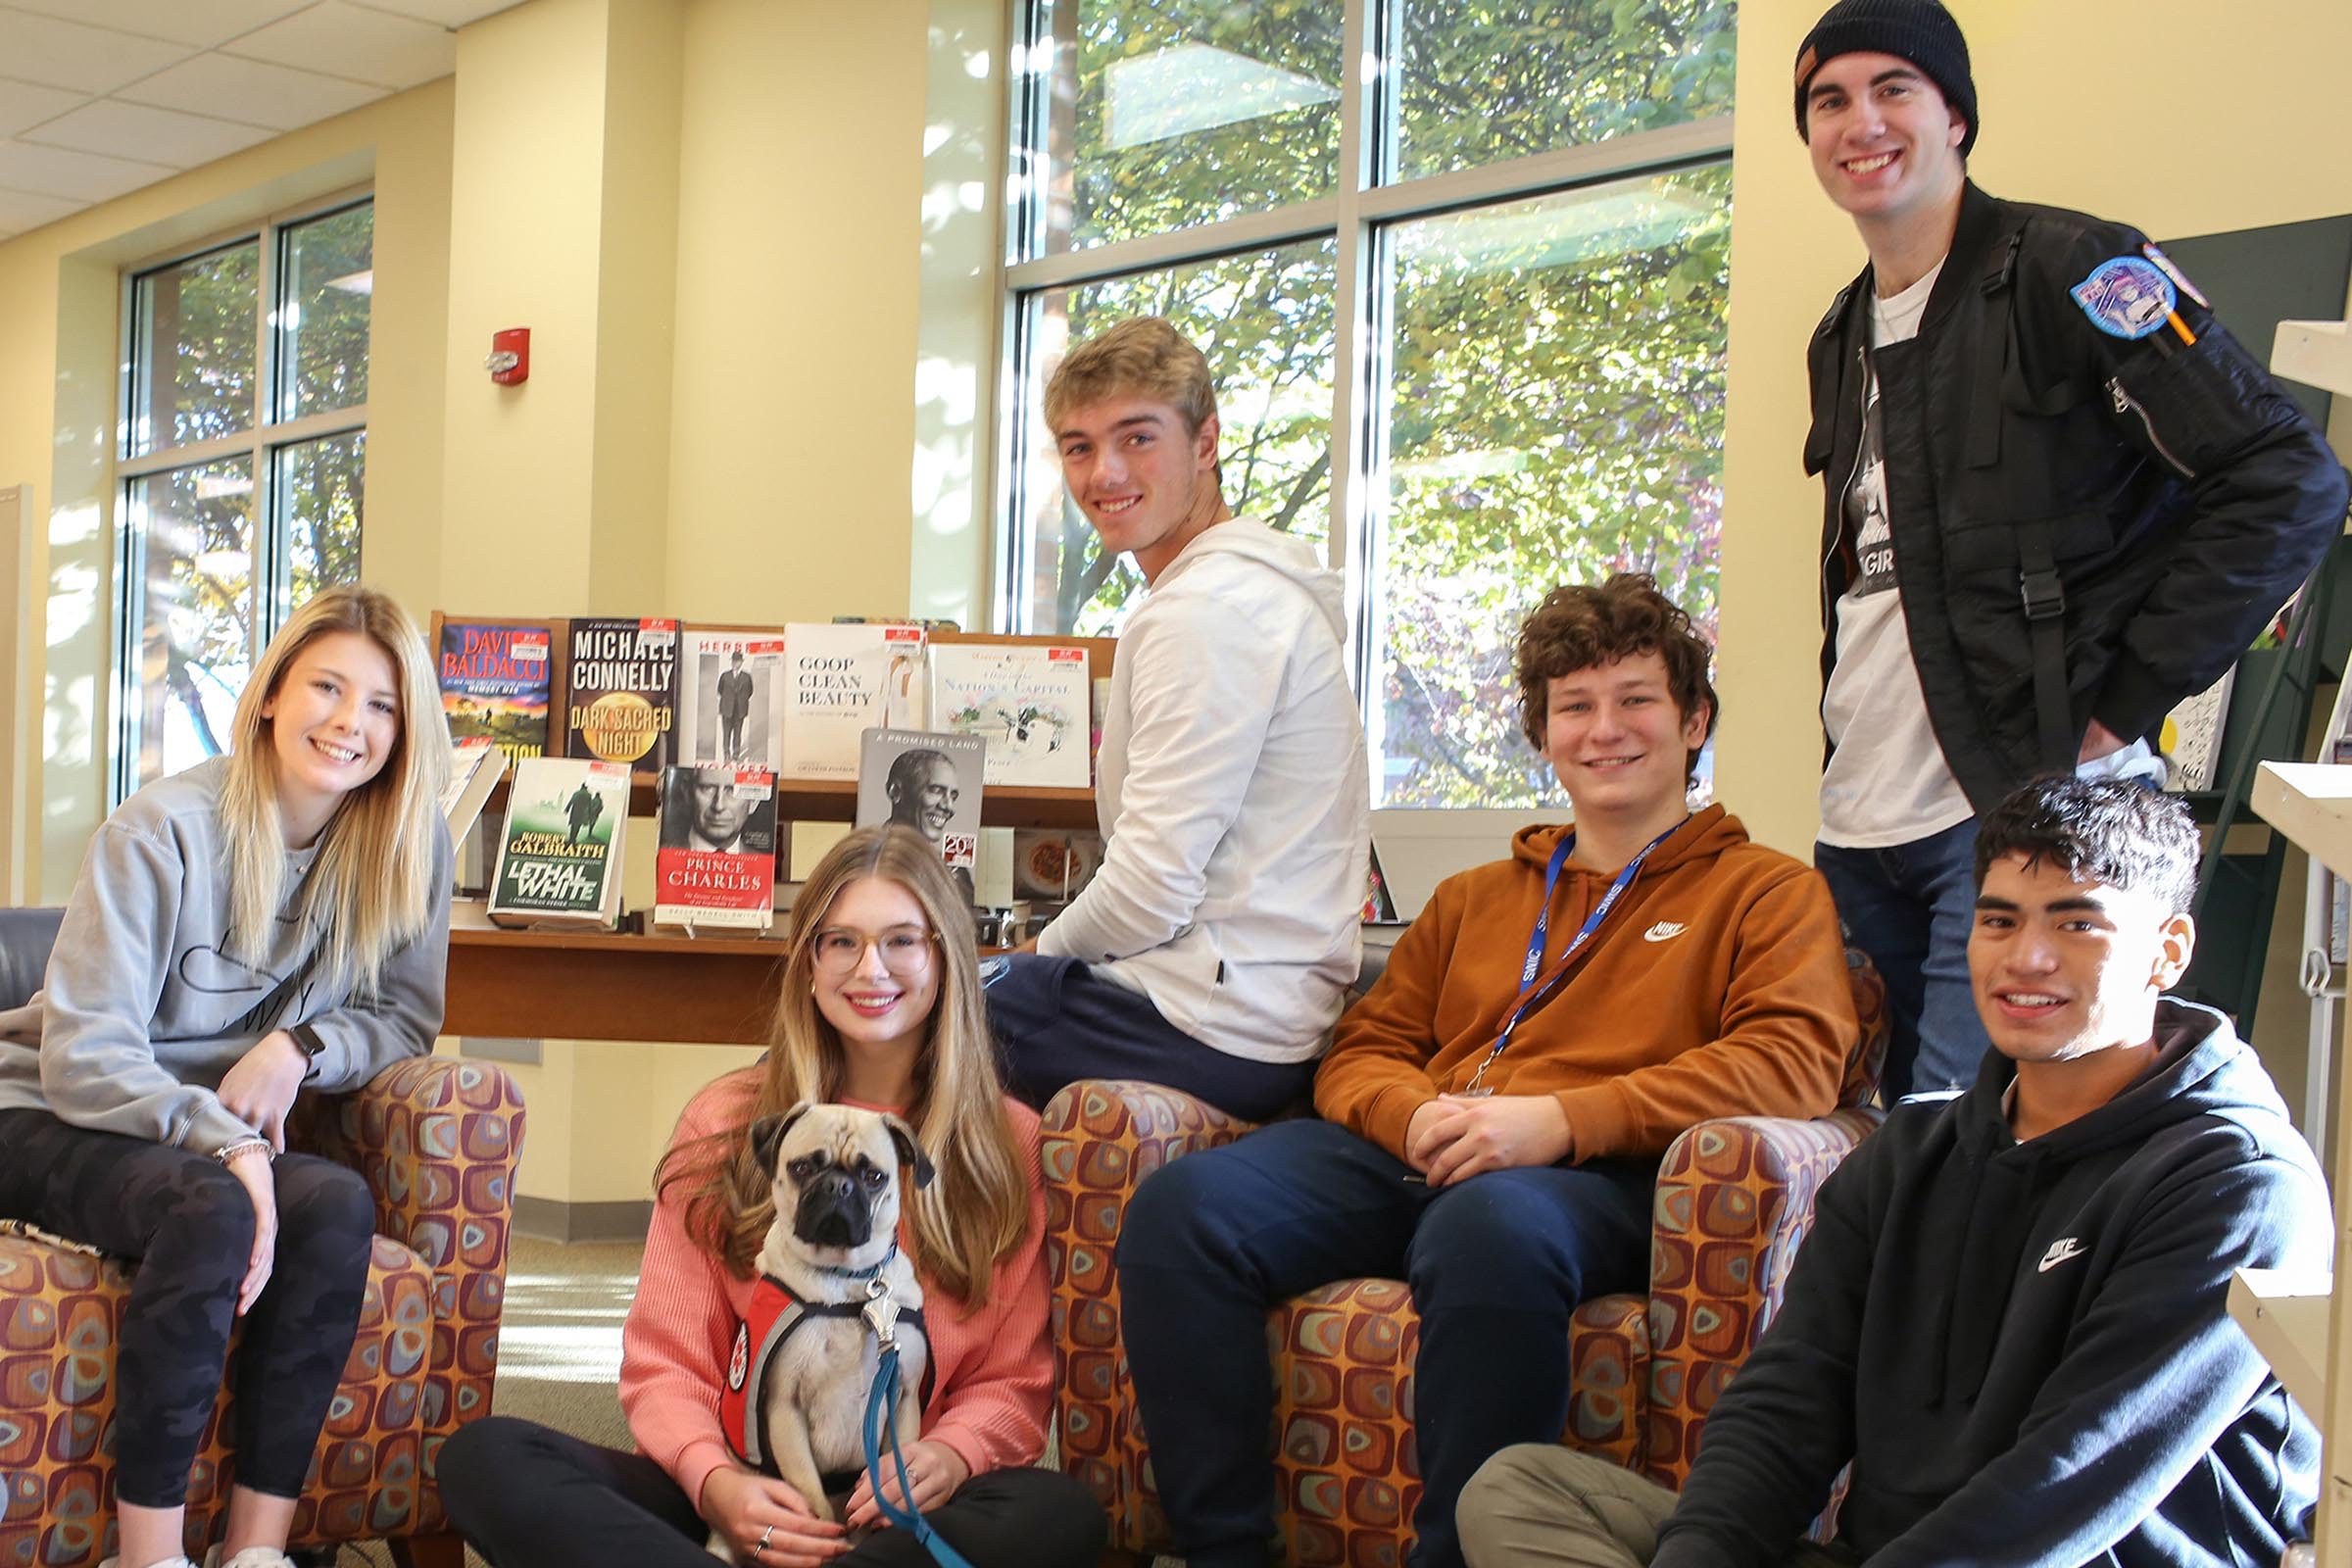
x: 231, y: 1150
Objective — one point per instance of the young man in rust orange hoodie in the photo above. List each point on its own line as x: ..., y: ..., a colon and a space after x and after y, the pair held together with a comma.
x: 1496, y: 1108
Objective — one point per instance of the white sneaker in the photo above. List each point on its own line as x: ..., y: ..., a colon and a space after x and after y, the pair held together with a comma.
x: 168, y: 1562
x: 250, y: 1557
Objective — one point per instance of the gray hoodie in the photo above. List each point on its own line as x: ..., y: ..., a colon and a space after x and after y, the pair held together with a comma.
x: 144, y: 1010
x: 1235, y: 800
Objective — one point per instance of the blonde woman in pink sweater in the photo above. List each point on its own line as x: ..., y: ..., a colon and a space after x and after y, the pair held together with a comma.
x: 880, y: 1007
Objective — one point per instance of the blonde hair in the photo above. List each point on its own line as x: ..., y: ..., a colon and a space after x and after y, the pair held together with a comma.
x: 976, y: 1212
x: 1145, y: 356
x: 370, y: 889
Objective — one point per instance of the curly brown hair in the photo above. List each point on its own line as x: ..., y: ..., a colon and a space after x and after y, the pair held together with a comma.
x: 1578, y: 626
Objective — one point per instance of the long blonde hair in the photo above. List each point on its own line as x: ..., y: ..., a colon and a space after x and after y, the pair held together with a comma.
x: 976, y: 1210
x: 370, y: 889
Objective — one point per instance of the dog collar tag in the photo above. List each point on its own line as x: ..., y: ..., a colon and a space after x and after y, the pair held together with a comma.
x: 881, y: 1314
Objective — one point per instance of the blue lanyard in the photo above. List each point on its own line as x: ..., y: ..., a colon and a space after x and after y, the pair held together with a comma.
x: 1531, y: 992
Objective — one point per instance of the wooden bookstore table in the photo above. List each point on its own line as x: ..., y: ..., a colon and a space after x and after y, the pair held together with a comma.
x: 594, y: 985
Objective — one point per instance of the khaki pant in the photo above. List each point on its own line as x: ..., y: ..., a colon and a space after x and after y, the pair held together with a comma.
x: 1542, y: 1504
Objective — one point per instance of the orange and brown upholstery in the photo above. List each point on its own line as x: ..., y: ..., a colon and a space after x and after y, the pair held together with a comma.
x: 436, y: 1140
x: 1734, y: 1200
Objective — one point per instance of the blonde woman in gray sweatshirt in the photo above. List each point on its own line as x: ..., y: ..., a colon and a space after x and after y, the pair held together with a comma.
x: 269, y: 920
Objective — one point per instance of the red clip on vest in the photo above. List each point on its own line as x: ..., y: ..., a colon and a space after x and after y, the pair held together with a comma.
x: 774, y: 1314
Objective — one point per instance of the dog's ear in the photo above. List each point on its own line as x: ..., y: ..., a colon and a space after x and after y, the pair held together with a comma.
x: 910, y: 1152
x: 767, y: 1135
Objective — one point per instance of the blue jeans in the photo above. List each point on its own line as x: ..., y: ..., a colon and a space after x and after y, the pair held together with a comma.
x: 1910, y: 907
x: 1496, y: 1264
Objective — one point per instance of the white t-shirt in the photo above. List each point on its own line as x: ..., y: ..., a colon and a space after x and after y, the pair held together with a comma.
x: 1888, y: 782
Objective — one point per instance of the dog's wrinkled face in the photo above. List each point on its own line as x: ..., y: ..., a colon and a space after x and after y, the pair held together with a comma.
x: 836, y: 1171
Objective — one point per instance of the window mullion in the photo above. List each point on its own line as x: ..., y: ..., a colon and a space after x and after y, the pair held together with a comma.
x: 1154, y: 251
x: 1360, y: 90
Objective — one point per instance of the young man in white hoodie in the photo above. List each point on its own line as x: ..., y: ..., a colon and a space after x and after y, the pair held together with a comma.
x: 1212, y: 950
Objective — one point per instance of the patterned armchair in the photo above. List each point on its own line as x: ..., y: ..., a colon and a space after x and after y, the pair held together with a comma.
x: 436, y: 1140
x: 1733, y: 1198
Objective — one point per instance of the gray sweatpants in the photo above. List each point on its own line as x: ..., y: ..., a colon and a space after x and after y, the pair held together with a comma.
x: 1544, y: 1504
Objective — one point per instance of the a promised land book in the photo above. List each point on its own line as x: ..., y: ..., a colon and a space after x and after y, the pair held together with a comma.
x: 559, y: 861
x: 1029, y: 702
x: 842, y: 681
x: 716, y: 864
x: 930, y: 782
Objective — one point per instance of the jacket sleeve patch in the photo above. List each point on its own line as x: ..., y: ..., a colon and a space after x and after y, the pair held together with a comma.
x: 2127, y: 296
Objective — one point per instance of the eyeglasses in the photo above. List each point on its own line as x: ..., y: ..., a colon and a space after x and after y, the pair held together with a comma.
x: 905, y: 951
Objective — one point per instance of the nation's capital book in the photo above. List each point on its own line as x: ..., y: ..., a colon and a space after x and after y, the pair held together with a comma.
x: 501, y: 679
x: 1028, y: 701
x: 716, y: 862
x: 559, y: 859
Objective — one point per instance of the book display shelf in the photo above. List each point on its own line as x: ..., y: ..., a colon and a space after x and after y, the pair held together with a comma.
x: 604, y: 985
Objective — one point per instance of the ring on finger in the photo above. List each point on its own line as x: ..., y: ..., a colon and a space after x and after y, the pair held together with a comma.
x: 764, y: 1537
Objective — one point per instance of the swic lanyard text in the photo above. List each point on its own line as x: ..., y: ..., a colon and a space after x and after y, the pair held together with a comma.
x: 1531, y: 994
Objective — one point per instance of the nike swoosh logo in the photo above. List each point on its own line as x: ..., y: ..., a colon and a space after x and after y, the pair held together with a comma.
x: 1663, y: 931
x: 2060, y: 1253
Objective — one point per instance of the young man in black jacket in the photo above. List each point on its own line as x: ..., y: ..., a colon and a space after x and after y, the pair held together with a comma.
x: 2009, y: 1316
x: 2059, y: 500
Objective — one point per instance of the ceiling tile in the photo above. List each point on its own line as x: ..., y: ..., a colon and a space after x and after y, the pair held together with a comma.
x: 275, y: 96
x: 84, y: 176
x: 21, y: 104
x: 139, y: 130
x: 20, y: 210
x: 447, y: 13
x: 65, y: 54
x: 342, y: 40
x: 204, y: 24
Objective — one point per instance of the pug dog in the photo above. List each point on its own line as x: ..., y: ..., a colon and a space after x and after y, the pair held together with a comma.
x: 798, y: 1378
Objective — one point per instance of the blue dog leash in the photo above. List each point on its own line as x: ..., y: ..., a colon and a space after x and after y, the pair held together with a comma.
x: 882, y: 1425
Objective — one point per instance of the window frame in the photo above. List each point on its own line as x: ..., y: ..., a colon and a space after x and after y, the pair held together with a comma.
x: 270, y: 592
x: 1368, y: 205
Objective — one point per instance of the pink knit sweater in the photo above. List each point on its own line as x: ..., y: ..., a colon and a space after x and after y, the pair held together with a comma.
x: 994, y: 1368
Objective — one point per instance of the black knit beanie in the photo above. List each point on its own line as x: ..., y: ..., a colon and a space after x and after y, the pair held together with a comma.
x: 1921, y: 32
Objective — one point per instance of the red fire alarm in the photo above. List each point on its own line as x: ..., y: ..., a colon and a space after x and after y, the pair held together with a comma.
x: 510, y: 361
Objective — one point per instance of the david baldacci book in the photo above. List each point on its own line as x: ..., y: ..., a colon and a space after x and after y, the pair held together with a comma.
x: 500, y: 679
x: 929, y: 782
x: 620, y: 680
x: 559, y: 861
x: 716, y: 865
x: 1029, y: 702
x: 731, y: 697
x: 841, y: 682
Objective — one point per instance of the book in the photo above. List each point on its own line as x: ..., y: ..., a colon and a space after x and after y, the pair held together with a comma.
x: 475, y: 766
x: 716, y: 862
x: 2192, y: 736
x: 1029, y: 702
x: 930, y: 782
x: 843, y: 681
x: 621, y: 681
x: 731, y: 697
x: 500, y: 679
x: 559, y: 859
x: 1049, y: 863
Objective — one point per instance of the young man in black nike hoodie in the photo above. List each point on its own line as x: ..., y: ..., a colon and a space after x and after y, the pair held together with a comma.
x: 2009, y: 1316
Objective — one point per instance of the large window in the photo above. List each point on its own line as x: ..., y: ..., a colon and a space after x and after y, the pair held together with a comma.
x: 243, y: 447
x: 1461, y: 270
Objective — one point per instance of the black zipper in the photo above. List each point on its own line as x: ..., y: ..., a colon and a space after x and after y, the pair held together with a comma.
x: 2126, y: 403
